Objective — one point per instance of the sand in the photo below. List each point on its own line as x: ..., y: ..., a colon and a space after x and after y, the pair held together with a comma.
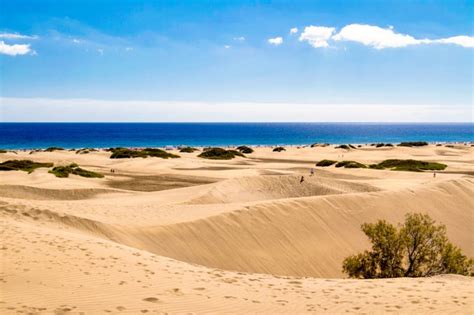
x: 240, y: 236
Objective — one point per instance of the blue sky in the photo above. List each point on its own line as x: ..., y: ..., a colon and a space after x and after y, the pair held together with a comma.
x: 416, y: 55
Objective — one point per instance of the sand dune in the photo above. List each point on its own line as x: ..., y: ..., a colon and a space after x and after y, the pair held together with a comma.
x: 306, y: 236
x: 189, y: 235
x: 267, y: 187
x: 28, y: 192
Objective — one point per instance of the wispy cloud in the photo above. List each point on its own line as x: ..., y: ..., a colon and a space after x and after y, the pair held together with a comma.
x: 239, y: 38
x: 16, y: 49
x: 275, y: 41
x: 317, y: 36
x: 464, y: 41
x: 17, y: 36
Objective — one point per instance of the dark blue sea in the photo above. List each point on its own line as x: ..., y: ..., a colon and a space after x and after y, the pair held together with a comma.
x: 104, y: 135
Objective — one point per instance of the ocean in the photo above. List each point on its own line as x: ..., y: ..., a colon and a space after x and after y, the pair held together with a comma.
x: 104, y: 135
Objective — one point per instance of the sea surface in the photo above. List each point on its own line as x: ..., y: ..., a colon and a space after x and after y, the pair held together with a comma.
x: 104, y: 135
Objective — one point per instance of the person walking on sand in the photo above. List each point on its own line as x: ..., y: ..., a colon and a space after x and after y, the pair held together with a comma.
x: 434, y: 174
x: 311, y: 172
x: 302, y: 179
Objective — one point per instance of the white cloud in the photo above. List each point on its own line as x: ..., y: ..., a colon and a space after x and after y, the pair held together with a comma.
x: 317, y: 36
x: 293, y: 30
x: 79, y: 110
x: 226, y: 46
x: 240, y: 38
x: 375, y: 36
x: 17, y: 36
x: 100, y: 51
x: 76, y: 41
x: 276, y: 41
x: 464, y: 41
x: 16, y: 49
x: 380, y: 38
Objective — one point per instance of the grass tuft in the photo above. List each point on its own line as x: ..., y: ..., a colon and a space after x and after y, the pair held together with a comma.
x: 219, y: 154
x: 350, y: 164
x: 413, y: 144
x: 188, y: 150
x: 409, y: 165
x: 124, y: 153
x: 325, y: 163
x: 52, y: 149
x: 64, y: 171
x: 22, y: 165
x: 245, y: 149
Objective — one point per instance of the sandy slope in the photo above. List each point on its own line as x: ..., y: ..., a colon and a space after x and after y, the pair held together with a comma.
x: 239, y: 236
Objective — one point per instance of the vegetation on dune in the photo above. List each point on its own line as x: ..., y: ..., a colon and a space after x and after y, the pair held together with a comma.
x: 346, y: 146
x: 325, y: 163
x: 413, y: 144
x: 245, y: 149
x: 219, y: 154
x: 315, y: 145
x: 22, y: 165
x: 3, y: 151
x: 124, y: 153
x: 85, y: 150
x: 350, y: 164
x: 379, y: 145
x: 52, y: 149
x: 64, y: 171
x: 188, y: 150
x: 279, y: 149
x: 418, y: 248
x: 409, y: 165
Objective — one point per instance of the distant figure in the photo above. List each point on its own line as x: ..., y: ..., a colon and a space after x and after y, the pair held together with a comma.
x: 434, y: 174
x: 312, y: 172
x: 302, y: 179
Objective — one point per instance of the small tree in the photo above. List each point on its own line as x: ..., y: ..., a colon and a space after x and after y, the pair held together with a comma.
x: 419, y: 248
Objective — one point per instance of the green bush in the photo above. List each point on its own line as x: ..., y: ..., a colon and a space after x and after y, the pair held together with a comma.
x: 85, y: 151
x: 188, y: 150
x: 418, y: 248
x: 52, y: 149
x: 279, y: 149
x: 22, y: 165
x: 350, y: 164
x: 315, y: 145
x: 409, y: 165
x: 219, y: 154
x: 245, y: 149
x: 124, y: 153
x: 345, y: 146
x: 64, y: 171
x: 3, y: 151
x: 413, y: 144
x: 324, y: 163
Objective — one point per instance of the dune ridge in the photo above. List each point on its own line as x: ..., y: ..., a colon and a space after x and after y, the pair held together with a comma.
x: 266, y: 187
x: 37, y: 193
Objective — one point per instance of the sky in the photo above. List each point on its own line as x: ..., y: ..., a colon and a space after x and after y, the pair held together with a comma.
x: 403, y: 61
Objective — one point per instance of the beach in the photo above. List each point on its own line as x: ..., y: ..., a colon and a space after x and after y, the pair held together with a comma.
x: 253, y: 234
